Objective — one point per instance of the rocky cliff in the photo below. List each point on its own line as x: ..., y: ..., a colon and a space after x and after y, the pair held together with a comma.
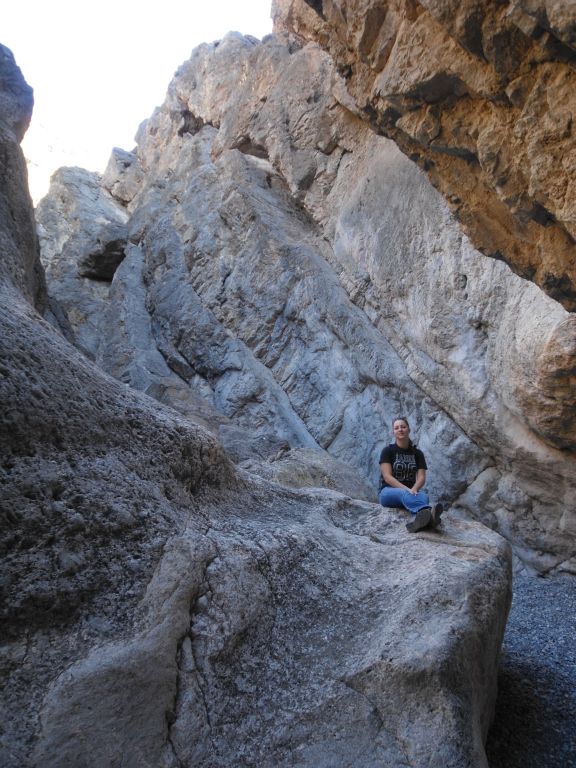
x: 269, y: 266
x: 482, y: 94
x: 160, y: 605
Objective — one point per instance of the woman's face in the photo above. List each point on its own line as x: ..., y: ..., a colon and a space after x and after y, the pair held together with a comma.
x: 401, y: 429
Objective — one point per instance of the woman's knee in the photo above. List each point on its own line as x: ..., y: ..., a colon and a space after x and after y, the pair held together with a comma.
x: 389, y: 498
x: 422, y: 498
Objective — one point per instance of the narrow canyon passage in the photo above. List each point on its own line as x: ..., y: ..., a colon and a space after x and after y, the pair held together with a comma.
x: 203, y: 352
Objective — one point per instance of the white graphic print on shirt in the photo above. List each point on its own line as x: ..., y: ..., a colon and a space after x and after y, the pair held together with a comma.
x: 404, y: 467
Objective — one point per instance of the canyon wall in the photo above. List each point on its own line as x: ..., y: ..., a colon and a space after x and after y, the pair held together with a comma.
x: 160, y: 605
x: 288, y: 277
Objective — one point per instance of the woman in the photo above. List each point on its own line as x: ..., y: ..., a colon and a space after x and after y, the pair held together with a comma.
x: 403, y: 470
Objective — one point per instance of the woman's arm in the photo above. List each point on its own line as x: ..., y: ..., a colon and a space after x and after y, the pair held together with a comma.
x: 389, y: 478
x: 420, y: 481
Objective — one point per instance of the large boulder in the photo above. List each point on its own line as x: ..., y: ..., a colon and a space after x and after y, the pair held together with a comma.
x: 287, y: 636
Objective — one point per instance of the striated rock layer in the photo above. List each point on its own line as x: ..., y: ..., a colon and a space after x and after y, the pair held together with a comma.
x: 162, y: 607
x: 483, y: 96
x: 290, y: 280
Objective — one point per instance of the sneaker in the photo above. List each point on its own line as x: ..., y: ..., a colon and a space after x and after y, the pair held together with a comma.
x: 421, y: 520
x: 437, y: 510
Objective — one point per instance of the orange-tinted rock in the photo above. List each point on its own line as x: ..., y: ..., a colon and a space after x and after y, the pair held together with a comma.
x: 482, y: 96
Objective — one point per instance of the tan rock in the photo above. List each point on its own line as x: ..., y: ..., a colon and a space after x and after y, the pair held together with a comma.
x: 496, y: 72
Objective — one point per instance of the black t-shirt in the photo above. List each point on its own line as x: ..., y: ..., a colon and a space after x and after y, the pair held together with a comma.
x: 405, y: 463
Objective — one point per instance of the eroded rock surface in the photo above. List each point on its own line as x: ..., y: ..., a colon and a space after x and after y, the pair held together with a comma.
x: 483, y: 96
x: 161, y: 607
x: 299, y: 274
x: 286, y: 636
x: 19, y: 263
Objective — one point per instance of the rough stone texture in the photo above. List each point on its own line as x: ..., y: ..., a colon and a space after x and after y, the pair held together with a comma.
x: 94, y: 226
x: 162, y: 608
x: 309, y: 468
x: 297, y: 272
x: 18, y: 242
x: 122, y: 175
x: 286, y: 645
x: 482, y: 95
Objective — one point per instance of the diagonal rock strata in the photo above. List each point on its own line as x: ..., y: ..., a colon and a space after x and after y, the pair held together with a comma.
x: 302, y: 279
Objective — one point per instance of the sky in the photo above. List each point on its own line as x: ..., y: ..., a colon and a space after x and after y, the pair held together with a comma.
x: 99, y: 69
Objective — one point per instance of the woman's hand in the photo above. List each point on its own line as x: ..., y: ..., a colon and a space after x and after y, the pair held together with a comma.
x: 420, y: 482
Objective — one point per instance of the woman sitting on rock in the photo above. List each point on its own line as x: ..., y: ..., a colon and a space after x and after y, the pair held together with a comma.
x: 403, y: 470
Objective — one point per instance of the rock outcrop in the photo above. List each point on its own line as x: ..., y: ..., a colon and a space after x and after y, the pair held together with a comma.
x: 19, y: 263
x: 161, y: 606
x: 483, y: 96
x: 297, y: 274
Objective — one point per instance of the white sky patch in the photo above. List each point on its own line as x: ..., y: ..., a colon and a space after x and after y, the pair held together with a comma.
x: 98, y: 70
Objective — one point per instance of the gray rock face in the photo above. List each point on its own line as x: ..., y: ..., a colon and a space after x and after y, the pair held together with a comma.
x: 16, y: 99
x: 184, y: 295
x: 19, y: 264
x: 312, y: 468
x: 302, y: 277
x: 94, y: 226
x: 162, y: 607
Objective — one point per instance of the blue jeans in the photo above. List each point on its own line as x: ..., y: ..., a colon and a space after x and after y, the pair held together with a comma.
x: 398, y: 497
